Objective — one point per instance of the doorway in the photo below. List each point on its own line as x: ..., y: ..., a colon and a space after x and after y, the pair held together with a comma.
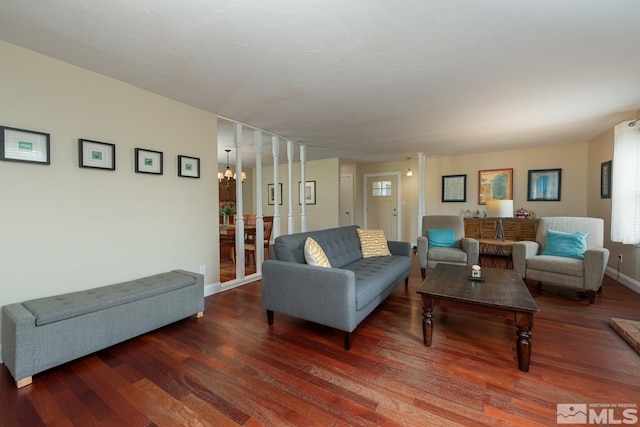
x: 345, y: 204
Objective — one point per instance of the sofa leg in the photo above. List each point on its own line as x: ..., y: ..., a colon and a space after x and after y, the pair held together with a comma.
x: 347, y: 341
x: 423, y: 272
x: 406, y: 282
x: 23, y: 382
x: 592, y: 296
x: 270, y: 317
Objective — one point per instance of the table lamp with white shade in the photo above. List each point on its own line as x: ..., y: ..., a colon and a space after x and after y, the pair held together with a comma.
x: 499, y: 209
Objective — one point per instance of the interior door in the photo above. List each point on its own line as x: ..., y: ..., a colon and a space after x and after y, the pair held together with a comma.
x: 381, y: 203
x: 346, y: 200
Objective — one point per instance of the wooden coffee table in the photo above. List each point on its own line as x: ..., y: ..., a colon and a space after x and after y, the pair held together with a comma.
x: 502, y: 293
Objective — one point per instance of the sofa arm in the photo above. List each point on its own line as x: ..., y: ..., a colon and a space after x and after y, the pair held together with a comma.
x: 423, y: 248
x: 521, y: 252
x: 322, y: 295
x: 595, y: 263
x: 399, y: 248
x: 472, y: 248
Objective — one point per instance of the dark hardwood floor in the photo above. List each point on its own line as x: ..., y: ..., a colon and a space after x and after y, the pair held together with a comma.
x: 229, y: 368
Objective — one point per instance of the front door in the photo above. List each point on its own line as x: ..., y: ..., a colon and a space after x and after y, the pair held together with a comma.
x: 381, y: 204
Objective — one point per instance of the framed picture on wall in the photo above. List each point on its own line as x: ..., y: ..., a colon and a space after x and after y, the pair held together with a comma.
x: 98, y: 155
x: 271, y: 193
x: 605, y: 180
x: 188, y: 167
x: 454, y: 188
x: 20, y: 145
x: 148, y: 161
x: 309, y: 193
x: 495, y: 184
x: 544, y: 185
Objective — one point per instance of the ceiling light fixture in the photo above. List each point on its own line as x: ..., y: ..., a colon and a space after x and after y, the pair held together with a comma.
x: 228, y: 173
x: 409, y: 172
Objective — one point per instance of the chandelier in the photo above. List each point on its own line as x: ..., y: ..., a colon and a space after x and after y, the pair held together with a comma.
x: 228, y: 174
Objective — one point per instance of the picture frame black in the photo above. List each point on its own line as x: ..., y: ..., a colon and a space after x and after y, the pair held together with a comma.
x: 605, y: 179
x: 188, y: 167
x: 544, y: 185
x: 27, y: 146
x: 96, y: 155
x: 309, y: 192
x: 271, y: 194
x: 148, y: 161
x: 454, y: 188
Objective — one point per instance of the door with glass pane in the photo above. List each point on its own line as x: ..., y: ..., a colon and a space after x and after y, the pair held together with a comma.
x: 381, y: 204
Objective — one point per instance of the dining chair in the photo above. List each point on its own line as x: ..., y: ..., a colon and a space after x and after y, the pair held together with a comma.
x: 250, y: 247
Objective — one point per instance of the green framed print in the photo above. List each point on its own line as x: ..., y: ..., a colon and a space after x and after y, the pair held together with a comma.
x: 20, y: 145
x: 188, y: 167
x: 148, y: 161
x: 97, y: 155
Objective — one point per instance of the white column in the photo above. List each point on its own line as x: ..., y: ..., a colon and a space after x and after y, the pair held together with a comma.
x: 291, y: 222
x: 275, y: 150
x: 239, y: 218
x: 259, y: 256
x: 303, y: 180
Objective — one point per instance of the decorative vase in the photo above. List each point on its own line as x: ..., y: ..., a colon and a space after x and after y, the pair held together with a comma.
x: 225, y: 219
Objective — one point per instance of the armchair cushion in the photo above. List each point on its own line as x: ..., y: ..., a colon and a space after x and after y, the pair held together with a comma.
x: 570, y: 245
x: 442, y: 238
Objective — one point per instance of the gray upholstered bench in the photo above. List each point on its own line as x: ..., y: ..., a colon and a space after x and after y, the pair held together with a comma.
x: 46, y: 332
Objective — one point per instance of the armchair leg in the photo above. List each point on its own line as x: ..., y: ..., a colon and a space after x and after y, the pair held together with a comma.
x: 592, y: 296
x: 423, y: 272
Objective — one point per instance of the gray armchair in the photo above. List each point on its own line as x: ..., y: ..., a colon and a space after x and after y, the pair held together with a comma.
x: 465, y: 252
x: 583, y: 275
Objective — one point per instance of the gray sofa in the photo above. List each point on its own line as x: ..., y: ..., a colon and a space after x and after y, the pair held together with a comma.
x: 46, y: 332
x: 340, y: 296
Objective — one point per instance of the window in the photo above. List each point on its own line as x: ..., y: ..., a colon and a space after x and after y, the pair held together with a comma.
x: 625, y: 184
x: 381, y: 188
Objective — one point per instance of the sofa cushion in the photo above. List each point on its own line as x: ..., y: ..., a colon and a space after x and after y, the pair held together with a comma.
x: 571, y: 245
x: 456, y: 255
x: 314, y: 255
x: 374, y: 275
x: 556, y: 264
x: 442, y: 238
x: 60, y: 307
x: 373, y: 243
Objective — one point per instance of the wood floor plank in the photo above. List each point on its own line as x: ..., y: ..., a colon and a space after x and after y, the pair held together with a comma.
x: 230, y: 368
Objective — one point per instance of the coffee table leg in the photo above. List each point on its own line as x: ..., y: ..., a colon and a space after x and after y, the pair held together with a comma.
x: 524, y: 322
x: 427, y: 323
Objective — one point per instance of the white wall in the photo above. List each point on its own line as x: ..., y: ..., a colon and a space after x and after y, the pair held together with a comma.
x: 66, y: 228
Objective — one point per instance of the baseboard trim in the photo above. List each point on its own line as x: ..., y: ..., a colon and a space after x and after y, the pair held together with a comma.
x: 627, y: 281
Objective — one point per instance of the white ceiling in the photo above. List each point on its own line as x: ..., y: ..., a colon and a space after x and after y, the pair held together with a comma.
x: 366, y: 80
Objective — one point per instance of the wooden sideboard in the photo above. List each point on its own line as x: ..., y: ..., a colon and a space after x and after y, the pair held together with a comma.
x: 514, y: 229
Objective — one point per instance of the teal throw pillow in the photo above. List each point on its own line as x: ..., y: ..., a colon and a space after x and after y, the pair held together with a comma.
x: 442, y: 238
x: 570, y: 245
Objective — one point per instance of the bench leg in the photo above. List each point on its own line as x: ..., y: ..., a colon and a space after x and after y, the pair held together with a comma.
x: 199, y: 314
x: 23, y: 382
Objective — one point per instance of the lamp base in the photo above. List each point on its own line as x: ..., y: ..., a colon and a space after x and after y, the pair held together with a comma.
x: 499, y: 234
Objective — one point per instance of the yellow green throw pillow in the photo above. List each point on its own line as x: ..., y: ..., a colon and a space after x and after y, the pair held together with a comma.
x: 373, y: 243
x: 314, y: 255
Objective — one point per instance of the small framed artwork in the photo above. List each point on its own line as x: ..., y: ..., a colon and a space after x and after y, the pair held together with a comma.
x: 309, y: 193
x: 148, y: 161
x: 544, y: 185
x: 98, y: 155
x: 605, y: 180
x: 495, y: 184
x: 189, y: 167
x: 454, y: 188
x: 271, y: 193
x: 19, y: 145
